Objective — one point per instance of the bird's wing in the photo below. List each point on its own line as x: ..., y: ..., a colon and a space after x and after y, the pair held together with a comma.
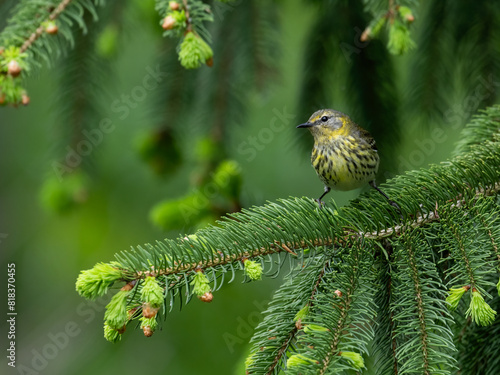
x: 369, y: 139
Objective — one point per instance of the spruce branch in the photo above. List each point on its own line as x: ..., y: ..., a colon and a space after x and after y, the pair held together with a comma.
x: 397, y: 16
x: 278, y: 247
x: 41, y: 29
x: 185, y: 21
x: 339, y: 323
x: 463, y: 254
x: 341, y: 326
x: 490, y: 223
x: 347, y: 264
x: 31, y: 32
x: 385, y: 331
x: 270, y: 348
x: 279, y: 358
x: 469, y: 245
x: 420, y: 307
x: 420, y: 315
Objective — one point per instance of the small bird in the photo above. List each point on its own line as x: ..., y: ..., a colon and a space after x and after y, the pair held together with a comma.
x: 344, y: 155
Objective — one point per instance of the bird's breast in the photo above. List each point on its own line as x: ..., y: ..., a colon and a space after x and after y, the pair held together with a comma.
x: 344, y: 163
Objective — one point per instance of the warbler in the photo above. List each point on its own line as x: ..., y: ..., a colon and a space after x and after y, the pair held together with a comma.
x: 344, y: 155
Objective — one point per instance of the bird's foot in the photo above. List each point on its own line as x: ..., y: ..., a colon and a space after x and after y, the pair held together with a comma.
x: 320, y: 202
x: 396, y: 206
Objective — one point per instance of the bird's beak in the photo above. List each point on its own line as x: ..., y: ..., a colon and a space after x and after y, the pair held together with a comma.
x: 306, y: 125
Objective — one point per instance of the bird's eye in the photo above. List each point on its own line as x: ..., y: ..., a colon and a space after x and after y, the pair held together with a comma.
x: 324, y: 118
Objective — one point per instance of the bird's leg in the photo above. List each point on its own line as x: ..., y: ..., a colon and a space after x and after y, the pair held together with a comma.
x: 391, y: 202
x: 321, y: 203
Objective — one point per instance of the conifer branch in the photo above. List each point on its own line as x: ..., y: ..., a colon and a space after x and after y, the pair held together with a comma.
x: 282, y: 351
x: 464, y: 254
x: 41, y: 29
x: 288, y: 308
x: 494, y: 244
x: 420, y: 315
x: 292, y: 335
x: 393, y: 333
x: 30, y: 39
x: 189, y: 24
x: 339, y: 330
x: 279, y: 247
x: 385, y: 344
x: 307, y: 324
x: 420, y: 306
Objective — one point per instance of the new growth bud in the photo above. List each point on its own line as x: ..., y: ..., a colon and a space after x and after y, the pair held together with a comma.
x: 95, y: 282
x: 299, y: 359
x: 366, y: 34
x: 51, y: 28
x: 194, y: 51
x: 455, y: 295
x: 201, y: 287
x: 149, y: 311
x: 406, y: 14
x: 301, y: 315
x: 152, y: 292
x: 481, y: 313
x: 25, y: 99
x: 13, y: 68
x: 207, y: 297
x: 311, y: 328
x: 168, y: 23
x: 116, y: 314
x: 355, y: 358
x: 111, y: 334
x: 253, y: 269
x: 148, y: 326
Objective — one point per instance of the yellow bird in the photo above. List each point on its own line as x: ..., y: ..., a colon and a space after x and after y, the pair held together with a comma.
x: 344, y: 155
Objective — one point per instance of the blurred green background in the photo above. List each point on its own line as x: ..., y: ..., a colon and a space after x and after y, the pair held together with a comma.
x: 274, y: 64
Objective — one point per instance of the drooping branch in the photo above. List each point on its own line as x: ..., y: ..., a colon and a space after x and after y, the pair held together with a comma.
x: 412, y: 262
x: 41, y: 29
x: 292, y: 335
x: 341, y: 325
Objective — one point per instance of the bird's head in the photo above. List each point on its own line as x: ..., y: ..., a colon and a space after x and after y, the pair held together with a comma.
x: 327, y: 123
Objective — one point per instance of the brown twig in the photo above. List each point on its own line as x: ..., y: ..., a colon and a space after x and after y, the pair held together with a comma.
x: 40, y: 29
x: 186, y: 10
x: 286, y: 248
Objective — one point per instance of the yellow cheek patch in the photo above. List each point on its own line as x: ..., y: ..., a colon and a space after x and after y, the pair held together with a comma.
x: 333, y: 134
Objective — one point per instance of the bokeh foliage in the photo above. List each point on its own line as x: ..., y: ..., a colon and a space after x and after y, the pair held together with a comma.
x: 268, y: 55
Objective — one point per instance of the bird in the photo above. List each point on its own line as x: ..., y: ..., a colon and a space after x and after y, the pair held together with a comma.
x: 344, y: 154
